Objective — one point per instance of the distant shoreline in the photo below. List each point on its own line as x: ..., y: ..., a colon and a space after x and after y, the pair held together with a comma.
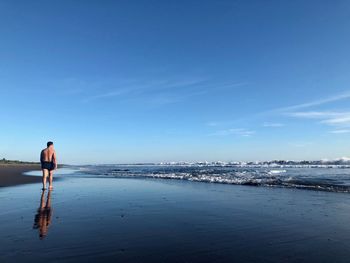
x: 5, y: 161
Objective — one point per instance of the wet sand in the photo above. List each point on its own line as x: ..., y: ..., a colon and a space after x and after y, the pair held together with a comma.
x: 154, y: 220
x: 12, y: 174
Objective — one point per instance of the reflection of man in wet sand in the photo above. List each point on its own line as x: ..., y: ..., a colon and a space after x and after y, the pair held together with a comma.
x: 48, y: 163
x: 42, y: 219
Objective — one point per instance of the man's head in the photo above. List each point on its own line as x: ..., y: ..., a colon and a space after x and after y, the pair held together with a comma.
x: 49, y: 144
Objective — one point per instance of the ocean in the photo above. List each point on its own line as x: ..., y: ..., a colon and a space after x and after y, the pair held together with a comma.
x: 332, y: 178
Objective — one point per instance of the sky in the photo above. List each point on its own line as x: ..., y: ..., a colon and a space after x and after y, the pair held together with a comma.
x: 152, y: 81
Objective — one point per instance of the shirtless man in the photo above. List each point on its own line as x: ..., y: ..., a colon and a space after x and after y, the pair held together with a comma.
x: 48, y: 164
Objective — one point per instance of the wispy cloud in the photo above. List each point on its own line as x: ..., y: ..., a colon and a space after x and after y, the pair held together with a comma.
x: 160, y: 92
x: 109, y: 94
x: 340, y: 131
x: 115, y: 90
x: 326, y: 117
x: 212, y: 123
x: 237, y: 131
x: 333, y: 98
x: 341, y: 120
x: 300, y: 144
x: 273, y: 124
x: 289, y: 111
x: 338, y: 119
x: 169, y: 98
x: 315, y: 114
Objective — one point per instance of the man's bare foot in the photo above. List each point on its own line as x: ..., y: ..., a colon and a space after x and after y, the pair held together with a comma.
x: 43, y: 188
x: 51, y: 188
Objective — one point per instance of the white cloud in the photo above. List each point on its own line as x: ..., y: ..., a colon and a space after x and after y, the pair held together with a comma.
x: 343, y: 120
x: 326, y: 117
x: 290, y: 111
x: 107, y: 95
x: 341, y: 96
x: 340, y: 131
x: 238, y: 131
x: 315, y: 114
x: 273, y: 124
x: 158, y: 91
x: 212, y: 124
x: 300, y: 144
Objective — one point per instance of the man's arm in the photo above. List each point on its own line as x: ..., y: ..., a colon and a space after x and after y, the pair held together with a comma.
x: 54, y: 159
x: 41, y: 156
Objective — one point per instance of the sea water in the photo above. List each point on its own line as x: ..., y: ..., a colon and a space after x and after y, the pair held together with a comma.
x: 335, y: 178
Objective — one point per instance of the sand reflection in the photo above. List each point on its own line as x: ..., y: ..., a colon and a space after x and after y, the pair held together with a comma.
x: 42, y: 219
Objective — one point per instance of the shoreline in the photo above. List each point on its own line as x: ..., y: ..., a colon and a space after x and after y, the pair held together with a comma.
x: 12, y: 174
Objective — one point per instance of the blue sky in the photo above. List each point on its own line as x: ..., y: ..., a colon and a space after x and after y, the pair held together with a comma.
x: 144, y: 81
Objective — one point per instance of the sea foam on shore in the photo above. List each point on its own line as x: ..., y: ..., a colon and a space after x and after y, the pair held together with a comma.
x: 336, y: 179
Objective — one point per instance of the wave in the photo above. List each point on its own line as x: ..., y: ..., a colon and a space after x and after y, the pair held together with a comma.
x: 277, y: 171
x: 310, y: 179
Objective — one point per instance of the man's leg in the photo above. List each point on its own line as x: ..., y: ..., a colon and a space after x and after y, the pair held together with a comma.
x: 51, y: 179
x: 45, y: 172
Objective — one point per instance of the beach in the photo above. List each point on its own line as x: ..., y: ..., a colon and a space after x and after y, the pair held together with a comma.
x: 12, y: 174
x: 182, y: 131
x: 86, y: 219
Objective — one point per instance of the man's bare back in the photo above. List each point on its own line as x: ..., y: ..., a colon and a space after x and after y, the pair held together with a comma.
x: 48, y: 155
x: 48, y: 161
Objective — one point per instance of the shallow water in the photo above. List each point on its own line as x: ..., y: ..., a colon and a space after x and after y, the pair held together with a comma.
x: 335, y: 179
x: 151, y: 220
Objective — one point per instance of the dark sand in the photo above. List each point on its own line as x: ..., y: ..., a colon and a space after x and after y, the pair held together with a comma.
x: 12, y: 174
x: 154, y: 220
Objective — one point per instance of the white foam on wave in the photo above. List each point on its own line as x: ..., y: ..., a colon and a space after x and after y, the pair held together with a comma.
x: 277, y: 171
x: 258, y: 176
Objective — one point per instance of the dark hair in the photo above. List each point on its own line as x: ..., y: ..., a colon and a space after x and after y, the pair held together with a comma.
x: 49, y: 144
